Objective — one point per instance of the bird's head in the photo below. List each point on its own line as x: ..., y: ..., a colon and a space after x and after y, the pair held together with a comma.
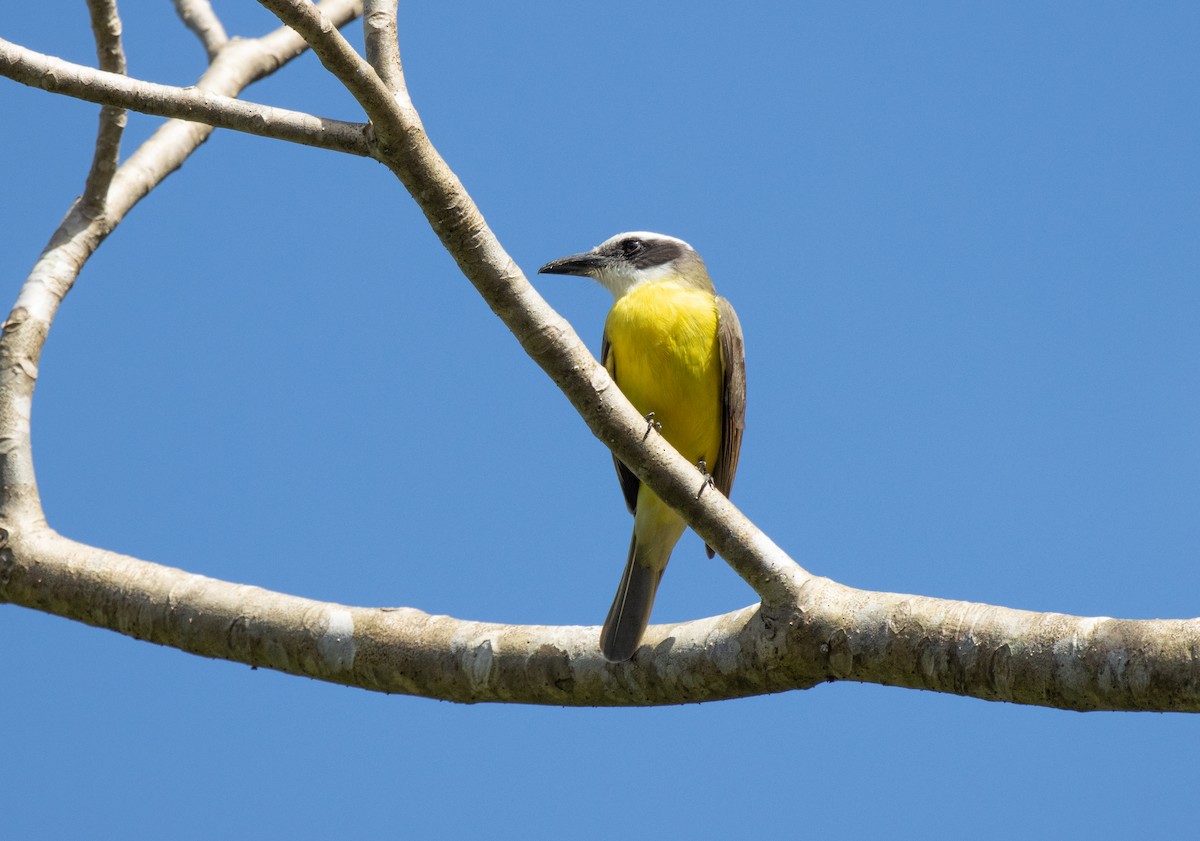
x: 628, y: 260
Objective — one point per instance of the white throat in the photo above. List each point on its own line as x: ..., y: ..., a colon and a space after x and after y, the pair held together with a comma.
x: 620, y: 279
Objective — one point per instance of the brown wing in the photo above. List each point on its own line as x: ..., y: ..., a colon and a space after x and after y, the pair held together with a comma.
x: 629, y: 482
x: 733, y: 397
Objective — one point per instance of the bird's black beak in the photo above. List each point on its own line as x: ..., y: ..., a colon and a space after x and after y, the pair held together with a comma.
x: 583, y: 265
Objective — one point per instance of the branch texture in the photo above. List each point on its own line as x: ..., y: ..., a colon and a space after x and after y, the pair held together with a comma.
x: 383, y: 46
x: 201, y: 104
x: 106, y: 26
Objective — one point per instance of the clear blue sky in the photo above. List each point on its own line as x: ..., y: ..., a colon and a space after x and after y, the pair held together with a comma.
x: 963, y: 243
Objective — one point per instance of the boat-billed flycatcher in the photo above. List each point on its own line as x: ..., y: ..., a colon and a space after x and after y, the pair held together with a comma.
x: 675, y: 349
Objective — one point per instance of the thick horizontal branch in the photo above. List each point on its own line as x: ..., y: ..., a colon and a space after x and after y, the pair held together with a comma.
x: 394, y: 650
x: 193, y: 104
x: 835, y: 633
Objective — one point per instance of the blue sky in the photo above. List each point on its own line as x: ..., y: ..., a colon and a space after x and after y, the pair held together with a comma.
x: 962, y: 241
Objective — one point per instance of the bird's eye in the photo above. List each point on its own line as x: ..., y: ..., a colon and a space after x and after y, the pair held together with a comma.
x: 632, y: 246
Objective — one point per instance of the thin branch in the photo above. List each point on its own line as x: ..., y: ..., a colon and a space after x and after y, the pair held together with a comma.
x: 198, y: 16
x: 383, y: 45
x: 106, y: 28
x: 78, y: 236
x: 334, y: 51
x: 200, y: 104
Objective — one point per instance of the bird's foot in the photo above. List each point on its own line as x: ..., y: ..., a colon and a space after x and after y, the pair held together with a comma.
x: 708, y: 479
x: 651, y: 425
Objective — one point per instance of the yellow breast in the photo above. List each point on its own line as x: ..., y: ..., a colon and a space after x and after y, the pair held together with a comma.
x: 665, y: 357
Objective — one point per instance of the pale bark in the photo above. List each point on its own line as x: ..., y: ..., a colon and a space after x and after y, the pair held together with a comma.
x: 201, y: 104
x: 106, y: 26
x: 198, y: 16
x: 807, y: 629
x: 383, y: 44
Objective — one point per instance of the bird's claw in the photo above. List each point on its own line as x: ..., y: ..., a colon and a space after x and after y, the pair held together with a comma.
x: 651, y: 425
x: 708, y: 479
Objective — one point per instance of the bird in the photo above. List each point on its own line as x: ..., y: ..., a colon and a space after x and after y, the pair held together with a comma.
x: 675, y: 349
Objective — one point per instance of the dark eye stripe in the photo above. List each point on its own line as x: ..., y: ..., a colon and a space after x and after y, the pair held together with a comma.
x: 655, y: 253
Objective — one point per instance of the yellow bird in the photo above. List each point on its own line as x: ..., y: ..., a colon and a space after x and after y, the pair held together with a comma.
x: 675, y: 349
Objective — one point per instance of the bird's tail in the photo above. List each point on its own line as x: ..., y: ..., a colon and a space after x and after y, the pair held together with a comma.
x: 630, y: 611
x: 656, y: 530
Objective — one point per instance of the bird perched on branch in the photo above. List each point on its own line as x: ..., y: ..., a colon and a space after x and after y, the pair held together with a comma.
x: 674, y: 347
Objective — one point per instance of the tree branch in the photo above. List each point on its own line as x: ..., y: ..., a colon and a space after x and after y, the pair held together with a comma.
x: 383, y: 45
x: 200, y: 104
x: 78, y: 236
x: 837, y: 633
x: 106, y: 26
x: 198, y: 16
x: 333, y: 50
